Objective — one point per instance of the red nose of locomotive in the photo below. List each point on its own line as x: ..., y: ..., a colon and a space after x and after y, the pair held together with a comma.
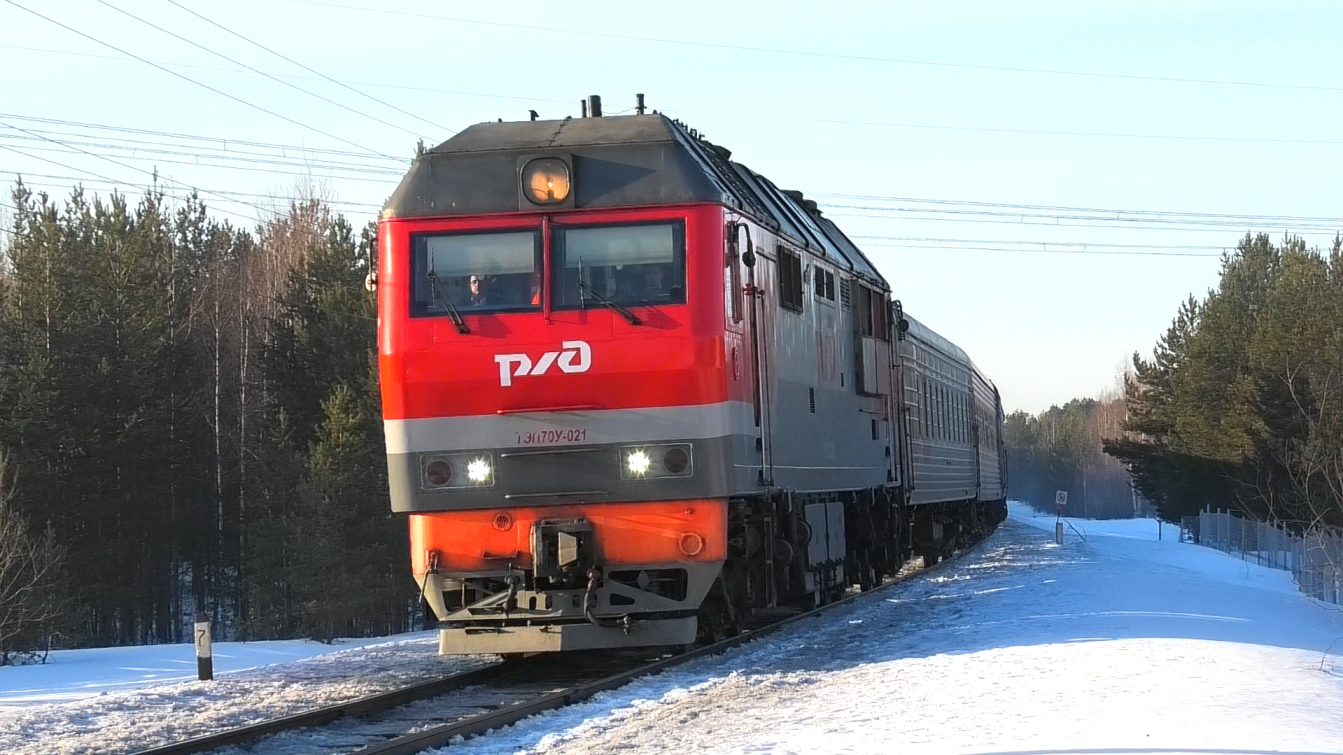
x: 560, y: 413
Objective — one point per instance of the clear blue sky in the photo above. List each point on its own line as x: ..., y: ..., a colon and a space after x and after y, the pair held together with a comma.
x: 964, y: 145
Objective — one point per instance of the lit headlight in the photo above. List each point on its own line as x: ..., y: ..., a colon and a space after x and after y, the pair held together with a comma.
x: 638, y: 462
x: 545, y: 180
x: 656, y: 461
x: 456, y: 471
x: 478, y: 471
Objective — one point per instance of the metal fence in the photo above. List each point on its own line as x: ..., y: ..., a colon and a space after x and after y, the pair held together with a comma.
x: 1314, y: 559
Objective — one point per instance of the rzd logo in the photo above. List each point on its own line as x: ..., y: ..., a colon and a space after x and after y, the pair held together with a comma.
x: 576, y: 356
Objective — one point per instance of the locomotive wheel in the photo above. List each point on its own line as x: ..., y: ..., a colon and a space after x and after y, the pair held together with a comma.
x: 715, y: 624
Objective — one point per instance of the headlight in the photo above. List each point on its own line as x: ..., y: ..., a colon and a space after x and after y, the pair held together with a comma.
x: 656, y: 461
x: 457, y: 471
x: 545, y: 180
x: 479, y: 471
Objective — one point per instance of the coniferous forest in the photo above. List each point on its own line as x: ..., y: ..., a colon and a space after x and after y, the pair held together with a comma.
x: 1061, y: 449
x: 190, y: 423
x: 1241, y: 404
x: 1239, y: 407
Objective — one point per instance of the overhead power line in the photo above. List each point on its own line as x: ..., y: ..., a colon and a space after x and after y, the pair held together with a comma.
x: 382, y: 85
x: 1064, y: 208
x: 165, y: 148
x: 1097, y: 252
x: 1047, y: 223
x: 51, y: 179
x: 1039, y: 132
x: 107, y: 159
x: 223, y: 142
x: 1205, y: 247
x: 306, y: 68
x: 828, y: 55
x: 305, y: 171
x: 1025, y: 214
x: 104, y: 178
x: 193, y: 81
x: 276, y: 79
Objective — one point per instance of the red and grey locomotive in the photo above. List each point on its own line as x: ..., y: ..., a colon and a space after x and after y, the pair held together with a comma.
x: 633, y: 392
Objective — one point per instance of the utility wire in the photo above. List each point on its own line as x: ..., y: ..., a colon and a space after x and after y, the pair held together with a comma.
x: 111, y: 181
x: 306, y: 68
x: 304, y: 78
x: 223, y: 141
x: 1063, y: 208
x: 832, y: 56
x: 1043, y: 243
x: 1118, y: 253
x: 1321, y: 223
x: 142, y: 187
x: 198, y: 164
x: 1030, y: 131
x: 193, y: 81
x: 250, y: 157
x: 1042, y: 221
x: 936, y: 127
x: 254, y: 70
x: 108, y: 159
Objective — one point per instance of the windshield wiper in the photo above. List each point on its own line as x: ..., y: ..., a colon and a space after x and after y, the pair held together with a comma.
x: 442, y: 297
x: 584, y: 287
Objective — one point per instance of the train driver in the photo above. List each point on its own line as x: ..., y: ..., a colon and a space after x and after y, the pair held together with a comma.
x: 478, y: 297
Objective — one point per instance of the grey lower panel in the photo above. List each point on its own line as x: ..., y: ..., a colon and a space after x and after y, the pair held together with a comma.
x: 560, y: 637
x: 569, y: 474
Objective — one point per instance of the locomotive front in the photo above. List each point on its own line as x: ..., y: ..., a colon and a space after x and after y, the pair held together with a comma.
x: 563, y: 394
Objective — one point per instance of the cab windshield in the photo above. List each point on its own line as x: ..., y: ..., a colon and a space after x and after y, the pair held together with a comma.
x: 633, y: 264
x: 476, y: 272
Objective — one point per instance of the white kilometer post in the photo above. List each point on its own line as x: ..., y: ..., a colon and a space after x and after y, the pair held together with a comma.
x: 204, y: 652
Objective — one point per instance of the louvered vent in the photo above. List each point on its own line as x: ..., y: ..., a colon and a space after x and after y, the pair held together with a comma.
x: 844, y: 296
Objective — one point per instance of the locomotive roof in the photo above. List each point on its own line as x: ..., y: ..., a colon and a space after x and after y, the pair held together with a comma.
x: 618, y: 161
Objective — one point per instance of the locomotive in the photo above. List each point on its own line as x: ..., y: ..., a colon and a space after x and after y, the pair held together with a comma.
x: 634, y: 393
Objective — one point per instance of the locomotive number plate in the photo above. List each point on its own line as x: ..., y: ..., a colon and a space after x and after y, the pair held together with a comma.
x: 553, y: 436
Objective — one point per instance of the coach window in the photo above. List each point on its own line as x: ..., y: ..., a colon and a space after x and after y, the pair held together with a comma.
x: 475, y: 272
x: 633, y: 264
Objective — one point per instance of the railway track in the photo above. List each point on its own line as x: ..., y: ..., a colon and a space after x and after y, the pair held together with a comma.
x: 430, y: 714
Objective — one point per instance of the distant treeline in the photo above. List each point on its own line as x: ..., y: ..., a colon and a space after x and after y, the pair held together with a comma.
x: 1061, y: 449
x: 1241, y: 404
x: 190, y: 410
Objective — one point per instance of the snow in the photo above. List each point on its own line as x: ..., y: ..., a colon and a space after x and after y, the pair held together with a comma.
x: 133, y: 698
x: 1122, y: 643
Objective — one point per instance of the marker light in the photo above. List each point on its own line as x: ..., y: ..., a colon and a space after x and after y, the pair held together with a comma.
x: 438, y: 472
x: 676, y: 460
x: 545, y: 180
x: 478, y: 471
x: 638, y: 463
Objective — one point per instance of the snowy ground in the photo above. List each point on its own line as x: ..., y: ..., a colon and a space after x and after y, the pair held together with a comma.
x: 1121, y: 644
x: 127, y: 699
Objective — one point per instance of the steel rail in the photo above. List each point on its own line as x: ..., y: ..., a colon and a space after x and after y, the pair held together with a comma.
x: 440, y: 736
x: 331, y: 713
